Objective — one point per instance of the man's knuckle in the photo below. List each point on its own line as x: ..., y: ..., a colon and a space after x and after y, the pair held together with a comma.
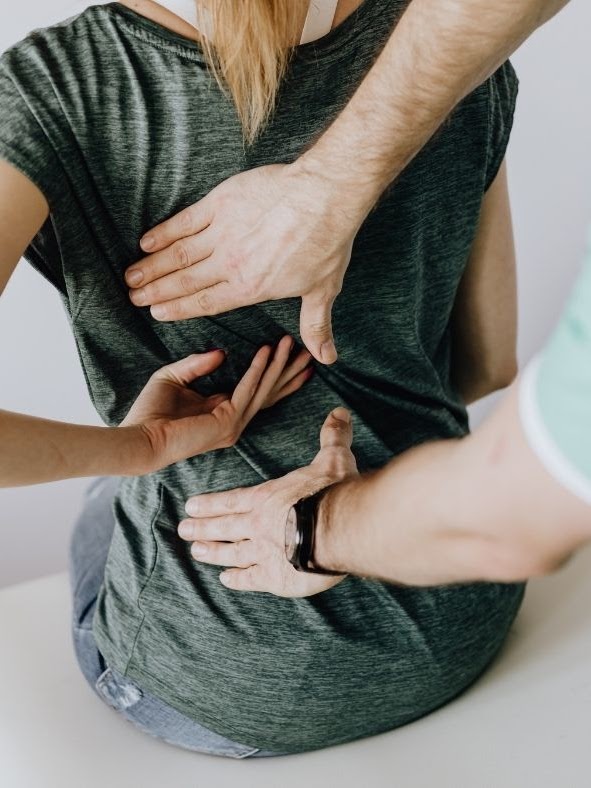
x: 180, y: 255
x: 186, y: 284
x: 204, y: 302
x: 185, y: 221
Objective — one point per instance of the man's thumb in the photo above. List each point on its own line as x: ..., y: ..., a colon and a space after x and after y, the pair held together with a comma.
x: 337, y: 430
x: 316, y: 328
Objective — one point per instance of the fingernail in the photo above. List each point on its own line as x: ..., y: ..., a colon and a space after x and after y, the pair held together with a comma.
x: 328, y: 352
x: 139, y: 297
x: 198, y: 549
x: 192, y: 507
x: 147, y: 242
x: 158, y: 311
x: 342, y: 415
x: 134, y: 277
x: 185, y: 530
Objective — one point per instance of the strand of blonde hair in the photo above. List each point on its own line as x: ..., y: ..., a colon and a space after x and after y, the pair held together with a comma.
x: 250, y: 52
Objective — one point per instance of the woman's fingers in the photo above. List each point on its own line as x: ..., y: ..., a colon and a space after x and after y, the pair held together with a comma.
x: 187, y: 369
x: 248, y: 384
x: 269, y: 379
x: 240, y: 554
x: 289, y: 388
x: 191, y: 220
x: 292, y: 378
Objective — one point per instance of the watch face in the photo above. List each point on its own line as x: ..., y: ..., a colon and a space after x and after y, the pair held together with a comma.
x: 291, y: 534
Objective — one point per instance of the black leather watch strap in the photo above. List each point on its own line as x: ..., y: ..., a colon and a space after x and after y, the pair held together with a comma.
x: 306, y: 510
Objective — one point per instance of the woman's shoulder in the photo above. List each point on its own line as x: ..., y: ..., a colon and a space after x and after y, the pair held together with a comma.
x: 48, y: 49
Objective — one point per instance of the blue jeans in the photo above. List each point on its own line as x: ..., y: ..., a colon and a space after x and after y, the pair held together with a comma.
x: 89, y: 548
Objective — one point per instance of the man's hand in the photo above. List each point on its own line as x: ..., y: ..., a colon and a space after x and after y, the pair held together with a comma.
x: 176, y: 422
x: 274, y: 232
x: 245, y: 528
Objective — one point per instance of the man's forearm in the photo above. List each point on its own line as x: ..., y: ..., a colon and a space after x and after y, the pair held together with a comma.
x: 439, y: 52
x: 478, y: 508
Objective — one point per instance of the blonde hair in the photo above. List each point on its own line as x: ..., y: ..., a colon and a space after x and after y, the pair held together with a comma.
x: 250, y: 52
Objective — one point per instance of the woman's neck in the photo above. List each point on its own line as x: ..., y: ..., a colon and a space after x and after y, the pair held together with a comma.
x: 162, y: 16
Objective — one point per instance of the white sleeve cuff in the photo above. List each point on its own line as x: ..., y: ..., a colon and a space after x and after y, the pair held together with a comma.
x: 541, y: 441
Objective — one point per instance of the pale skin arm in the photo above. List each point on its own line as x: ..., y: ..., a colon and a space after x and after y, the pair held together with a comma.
x: 484, y: 320
x: 492, y: 513
x: 168, y: 422
x: 288, y: 230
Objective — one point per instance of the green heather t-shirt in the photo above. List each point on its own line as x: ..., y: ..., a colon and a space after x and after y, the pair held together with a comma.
x: 555, y: 394
x: 121, y: 125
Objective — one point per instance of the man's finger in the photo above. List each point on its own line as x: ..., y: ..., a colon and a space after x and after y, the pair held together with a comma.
x: 236, y: 554
x: 316, y: 328
x: 238, y: 501
x: 192, y: 220
x: 337, y: 430
x: 212, y: 301
x: 180, y: 255
x: 178, y: 284
x: 242, y: 579
x: 226, y: 528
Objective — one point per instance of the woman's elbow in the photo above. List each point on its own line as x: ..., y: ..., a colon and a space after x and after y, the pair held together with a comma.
x: 486, y: 377
x: 503, y: 374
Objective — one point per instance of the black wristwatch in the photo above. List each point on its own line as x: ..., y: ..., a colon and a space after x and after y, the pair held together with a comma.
x: 300, y: 531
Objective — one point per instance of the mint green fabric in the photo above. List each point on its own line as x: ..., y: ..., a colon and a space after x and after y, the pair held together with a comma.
x: 564, y: 378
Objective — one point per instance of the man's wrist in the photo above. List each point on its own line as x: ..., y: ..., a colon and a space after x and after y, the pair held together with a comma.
x: 326, y: 542
x: 330, y: 180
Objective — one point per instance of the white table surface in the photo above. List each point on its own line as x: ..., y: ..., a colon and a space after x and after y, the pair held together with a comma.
x: 525, y: 724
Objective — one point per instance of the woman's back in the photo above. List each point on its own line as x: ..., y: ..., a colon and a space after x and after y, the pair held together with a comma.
x: 121, y: 125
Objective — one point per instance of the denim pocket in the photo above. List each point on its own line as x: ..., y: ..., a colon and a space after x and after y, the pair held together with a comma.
x: 154, y: 717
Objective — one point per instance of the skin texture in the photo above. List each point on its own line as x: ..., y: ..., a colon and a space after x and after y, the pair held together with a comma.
x: 251, y: 536
x: 285, y: 230
x: 239, y: 529
x: 493, y: 513
x: 170, y: 421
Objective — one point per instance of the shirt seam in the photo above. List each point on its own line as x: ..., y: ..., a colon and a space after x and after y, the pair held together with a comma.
x: 147, y: 581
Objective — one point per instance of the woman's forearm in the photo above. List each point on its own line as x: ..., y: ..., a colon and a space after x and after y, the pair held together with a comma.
x: 34, y: 450
x: 437, y: 54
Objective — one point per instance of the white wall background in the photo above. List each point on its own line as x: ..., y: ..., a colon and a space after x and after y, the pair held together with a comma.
x: 550, y: 164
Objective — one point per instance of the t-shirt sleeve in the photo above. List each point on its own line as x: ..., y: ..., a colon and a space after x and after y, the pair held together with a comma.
x: 503, y: 87
x: 24, y: 142
x: 555, y: 395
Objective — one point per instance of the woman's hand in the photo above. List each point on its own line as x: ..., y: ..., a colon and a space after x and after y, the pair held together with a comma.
x: 177, y: 422
x: 273, y: 232
x: 245, y: 528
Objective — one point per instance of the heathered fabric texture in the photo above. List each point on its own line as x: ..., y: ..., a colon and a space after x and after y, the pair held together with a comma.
x: 121, y: 125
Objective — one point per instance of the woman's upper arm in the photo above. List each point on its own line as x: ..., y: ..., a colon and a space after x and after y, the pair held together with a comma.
x: 485, y: 311
x: 23, y: 211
